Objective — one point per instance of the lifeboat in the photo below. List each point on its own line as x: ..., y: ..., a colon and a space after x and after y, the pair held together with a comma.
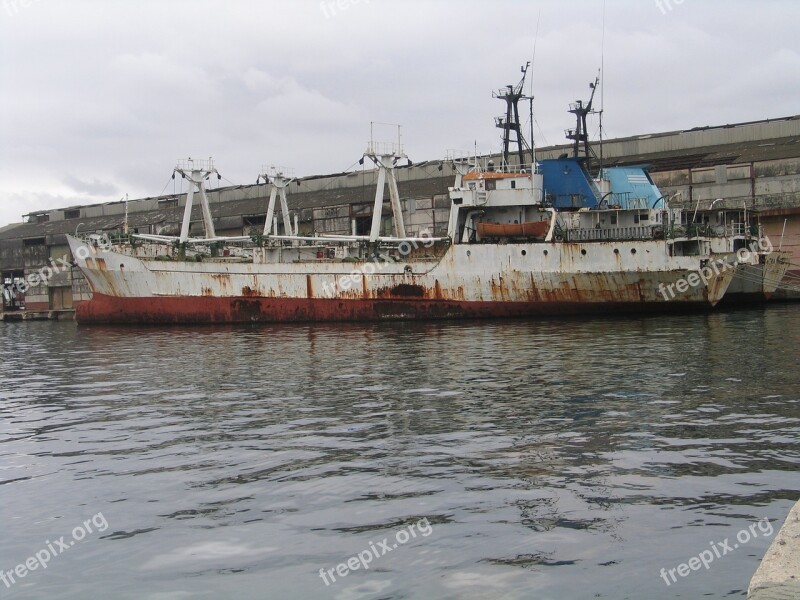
x: 533, y: 229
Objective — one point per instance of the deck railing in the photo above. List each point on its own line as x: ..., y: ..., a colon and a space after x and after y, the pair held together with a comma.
x: 616, y: 233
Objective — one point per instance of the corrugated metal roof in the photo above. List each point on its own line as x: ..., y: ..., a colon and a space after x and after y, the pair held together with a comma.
x: 711, y: 156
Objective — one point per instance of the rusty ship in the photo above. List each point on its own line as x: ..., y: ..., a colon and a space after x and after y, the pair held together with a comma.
x: 510, y: 252
x: 524, y: 238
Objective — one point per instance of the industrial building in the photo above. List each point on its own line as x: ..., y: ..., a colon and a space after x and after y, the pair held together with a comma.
x: 753, y: 165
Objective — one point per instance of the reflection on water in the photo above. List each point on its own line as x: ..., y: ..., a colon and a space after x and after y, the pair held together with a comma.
x: 552, y: 459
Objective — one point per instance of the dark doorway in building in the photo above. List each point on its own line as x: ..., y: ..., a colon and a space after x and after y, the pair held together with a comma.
x: 13, y: 298
x: 363, y: 225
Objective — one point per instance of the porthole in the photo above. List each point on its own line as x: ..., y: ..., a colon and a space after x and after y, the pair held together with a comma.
x: 583, y: 252
x: 633, y: 250
x: 545, y: 252
x: 524, y: 253
x: 616, y: 250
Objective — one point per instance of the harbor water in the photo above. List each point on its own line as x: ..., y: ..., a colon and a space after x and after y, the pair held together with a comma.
x: 540, y: 459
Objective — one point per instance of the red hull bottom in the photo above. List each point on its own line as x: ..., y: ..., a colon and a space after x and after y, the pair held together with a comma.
x: 184, y: 310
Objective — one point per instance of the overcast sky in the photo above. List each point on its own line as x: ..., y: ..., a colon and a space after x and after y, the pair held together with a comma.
x: 99, y: 98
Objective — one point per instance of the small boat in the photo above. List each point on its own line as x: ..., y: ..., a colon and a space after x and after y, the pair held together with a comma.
x: 532, y: 229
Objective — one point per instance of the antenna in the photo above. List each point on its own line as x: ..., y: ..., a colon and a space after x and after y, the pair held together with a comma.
x: 530, y: 95
x: 601, y: 77
x: 533, y: 143
x: 125, y: 222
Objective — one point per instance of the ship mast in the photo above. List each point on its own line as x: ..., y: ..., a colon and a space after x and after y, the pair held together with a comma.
x: 580, y: 135
x: 510, y: 122
x: 196, y: 172
x: 385, y: 156
x: 280, y: 178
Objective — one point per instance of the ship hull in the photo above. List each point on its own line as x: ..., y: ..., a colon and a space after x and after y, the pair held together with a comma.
x: 189, y: 310
x: 789, y: 289
x: 470, y: 281
x: 757, y: 283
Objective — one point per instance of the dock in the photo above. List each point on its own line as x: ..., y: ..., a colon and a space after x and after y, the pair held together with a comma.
x: 44, y: 315
x: 778, y: 576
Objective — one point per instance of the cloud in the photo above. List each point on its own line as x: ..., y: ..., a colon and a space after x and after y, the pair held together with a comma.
x: 115, y: 93
x: 17, y: 204
x: 90, y: 188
